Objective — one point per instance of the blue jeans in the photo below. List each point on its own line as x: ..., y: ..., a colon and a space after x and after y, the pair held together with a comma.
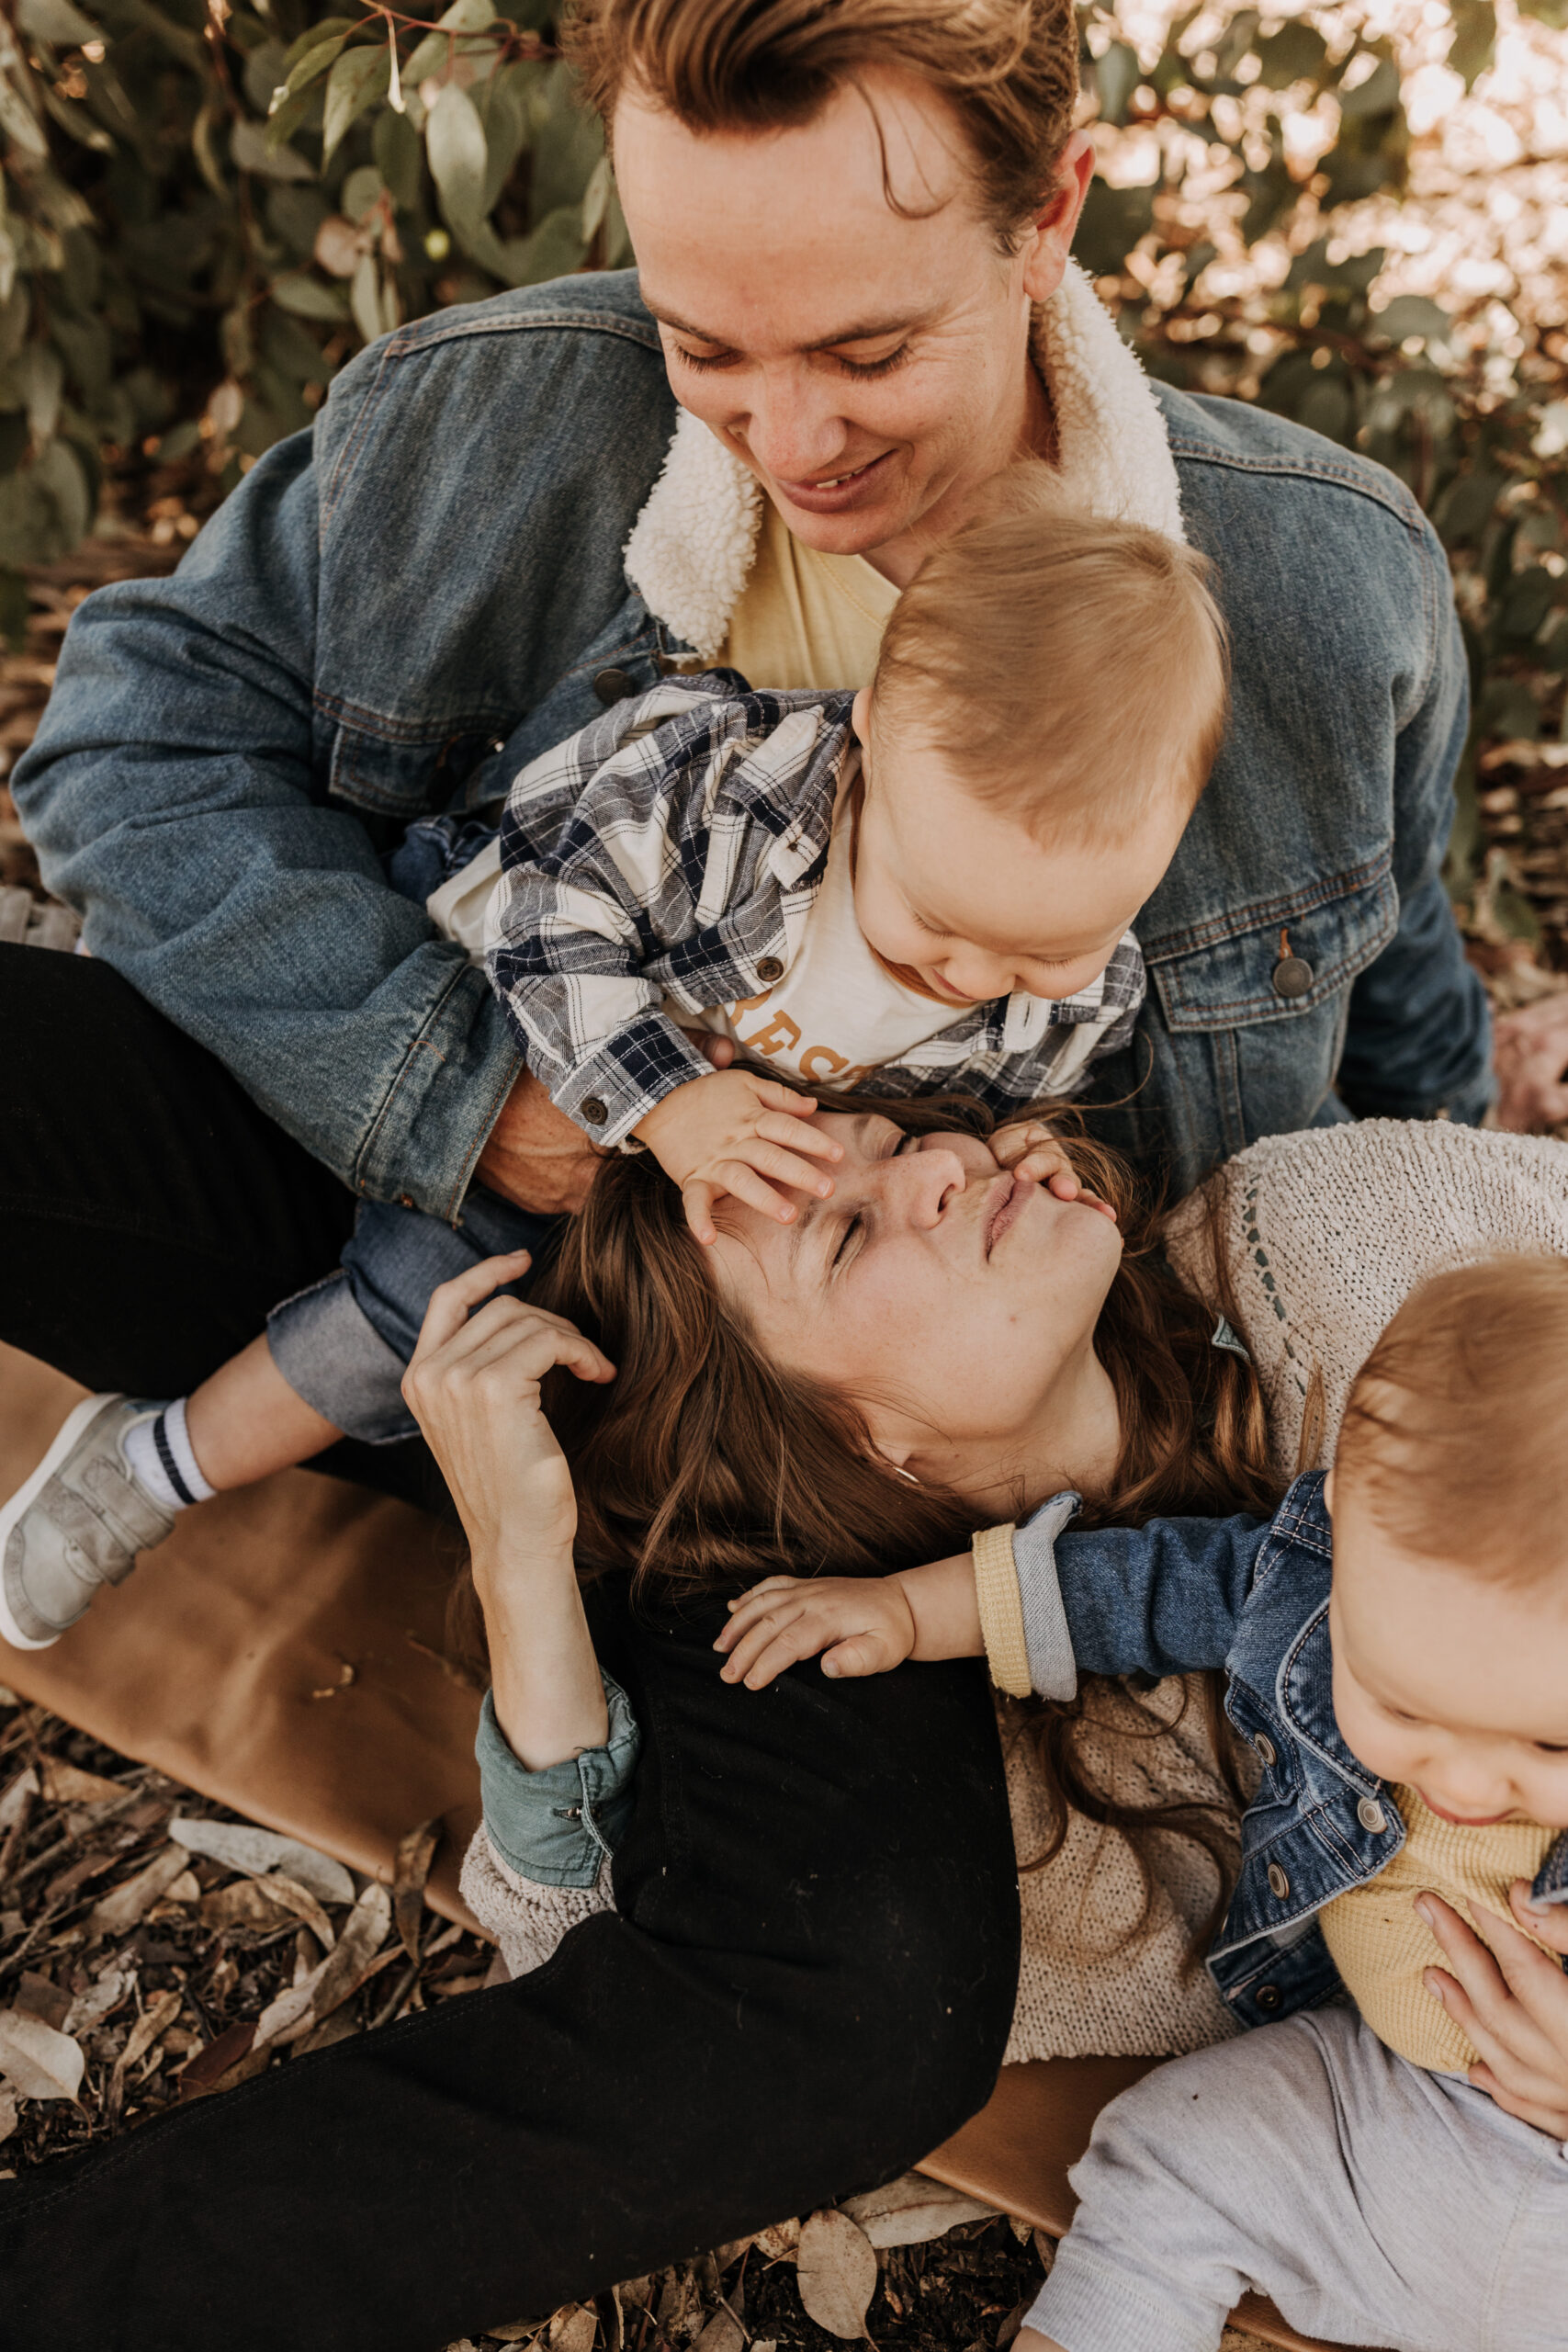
x: 344, y: 1344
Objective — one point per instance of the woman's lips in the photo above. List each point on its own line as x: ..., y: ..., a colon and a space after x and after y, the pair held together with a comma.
x: 1009, y: 1192
x: 841, y: 490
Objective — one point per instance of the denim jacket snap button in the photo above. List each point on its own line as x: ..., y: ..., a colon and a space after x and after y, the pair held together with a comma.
x: 1278, y: 1884
x: 1268, y: 1996
x: 1371, y: 1815
x: 593, y: 1110
x: 1265, y: 1746
x: 614, y: 686
x: 770, y: 968
x: 1293, y: 975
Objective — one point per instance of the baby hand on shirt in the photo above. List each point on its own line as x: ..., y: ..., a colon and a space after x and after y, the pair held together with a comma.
x: 740, y: 1132
x: 1027, y: 1147
x: 861, y: 1625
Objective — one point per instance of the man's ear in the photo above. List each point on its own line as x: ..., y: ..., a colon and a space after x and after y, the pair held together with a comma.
x: 1050, y: 234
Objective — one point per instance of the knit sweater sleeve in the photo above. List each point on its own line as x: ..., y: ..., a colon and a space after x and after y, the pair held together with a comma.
x: 527, y: 1920
x: 1325, y: 1234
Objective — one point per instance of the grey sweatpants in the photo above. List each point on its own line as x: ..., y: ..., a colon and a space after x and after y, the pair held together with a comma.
x: 1377, y: 2204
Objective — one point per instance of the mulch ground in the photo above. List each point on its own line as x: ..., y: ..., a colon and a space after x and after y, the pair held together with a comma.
x: 137, y: 1971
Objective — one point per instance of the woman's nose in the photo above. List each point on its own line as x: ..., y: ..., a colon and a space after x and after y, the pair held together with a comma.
x: 923, y: 1181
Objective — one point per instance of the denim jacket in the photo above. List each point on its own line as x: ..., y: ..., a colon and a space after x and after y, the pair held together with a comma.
x: 397, y: 608
x: 1250, y: 1596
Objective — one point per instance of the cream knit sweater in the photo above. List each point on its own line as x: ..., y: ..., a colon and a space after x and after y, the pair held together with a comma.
x: 1325, y: 1234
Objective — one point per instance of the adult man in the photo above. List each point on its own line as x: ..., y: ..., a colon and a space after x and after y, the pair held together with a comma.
x: 854, y: 226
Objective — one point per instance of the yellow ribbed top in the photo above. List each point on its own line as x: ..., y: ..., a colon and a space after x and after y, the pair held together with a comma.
x: 1001, y: 1611
x: 805, y: 618
x: 1380, y: 1946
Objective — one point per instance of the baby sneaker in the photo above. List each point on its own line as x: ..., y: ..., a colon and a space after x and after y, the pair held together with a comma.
x: 76, y: 1524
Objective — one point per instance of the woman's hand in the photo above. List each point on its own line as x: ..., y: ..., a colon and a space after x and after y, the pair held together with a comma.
x: 1028, y: 1149
x: 473, y: 1387
x: 865, y: 1624
x: 1512, y: 2002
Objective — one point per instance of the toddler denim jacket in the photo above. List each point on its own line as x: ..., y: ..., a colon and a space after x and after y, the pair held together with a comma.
x: 1251, y: 1596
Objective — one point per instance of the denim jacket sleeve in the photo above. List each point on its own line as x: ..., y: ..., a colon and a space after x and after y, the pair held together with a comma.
x: 1162, y: 1598
x: 558, y: 1825
x: 173, y: 794
x: 1419, y: 1040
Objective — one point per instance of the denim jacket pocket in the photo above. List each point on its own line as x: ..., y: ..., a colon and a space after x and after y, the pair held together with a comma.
x: 1277, y: 959
x: 1256, y: 1005
x: 391, y: 768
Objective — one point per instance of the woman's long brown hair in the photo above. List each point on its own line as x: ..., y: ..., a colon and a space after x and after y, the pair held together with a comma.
x: 704, y: 1465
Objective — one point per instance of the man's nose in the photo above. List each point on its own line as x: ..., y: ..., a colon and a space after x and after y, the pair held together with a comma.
x: 792, y: 428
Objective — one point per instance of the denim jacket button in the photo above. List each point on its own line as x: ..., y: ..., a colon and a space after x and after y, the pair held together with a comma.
x: 1265, y: 1746
x: 1268, y: 1996
x: 593, y: 1110
x: 1371, y: 1815
x: 770, y: 969
x: 614, y: 686
x: 1293, y: 975
x: 1278, y: 1884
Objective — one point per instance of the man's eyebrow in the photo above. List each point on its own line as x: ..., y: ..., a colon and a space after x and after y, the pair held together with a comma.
x: 872, y: 333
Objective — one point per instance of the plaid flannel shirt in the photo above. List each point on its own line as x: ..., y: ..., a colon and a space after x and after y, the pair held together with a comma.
x: 669, y: 851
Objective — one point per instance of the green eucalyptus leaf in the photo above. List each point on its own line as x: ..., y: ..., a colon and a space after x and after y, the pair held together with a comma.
x: 1116, y: 76
x: 1297, y: 52
x: 327, y: 32
x: 56, y: 22
x: 45, y: 508
x: 308, y: 298
x: 18, y: 123
x: 1474, y: 43
x: 1410, y: 315
x: 254, y: 150
x: 555, y: 249
x: 455, y: 144
x: 358, y: 78
x: 13, y: 439
x: 398, y: 155
x: 436, y: 49
x: 1379, y: 93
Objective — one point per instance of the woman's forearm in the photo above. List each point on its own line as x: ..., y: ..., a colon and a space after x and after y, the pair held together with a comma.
x: 549, y: 1698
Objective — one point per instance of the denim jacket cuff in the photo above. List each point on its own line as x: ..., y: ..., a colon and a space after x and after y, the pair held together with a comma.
x: 449, y: 1091
x: 557, y: 1827
x: 1053, y: 1667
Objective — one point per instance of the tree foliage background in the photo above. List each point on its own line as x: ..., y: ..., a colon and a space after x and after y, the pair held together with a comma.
x: 1356, y: 214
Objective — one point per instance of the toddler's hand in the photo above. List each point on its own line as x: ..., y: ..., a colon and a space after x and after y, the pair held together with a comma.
x: 739, y: 1132
x: 865, y: 1624
x: 1028, y: 1149
x: 1512, y: 2002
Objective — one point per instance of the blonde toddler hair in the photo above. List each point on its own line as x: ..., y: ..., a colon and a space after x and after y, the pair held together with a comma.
x: 1455, y: 1438
x: 1069, y: 669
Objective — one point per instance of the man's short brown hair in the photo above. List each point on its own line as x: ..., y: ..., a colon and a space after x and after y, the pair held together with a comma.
x: 1007, y: 68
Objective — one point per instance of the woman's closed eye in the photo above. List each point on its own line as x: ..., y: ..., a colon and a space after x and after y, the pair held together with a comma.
x: 855, y: 1226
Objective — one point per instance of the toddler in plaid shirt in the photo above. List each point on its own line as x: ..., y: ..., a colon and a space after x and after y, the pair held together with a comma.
x: 926, y: 886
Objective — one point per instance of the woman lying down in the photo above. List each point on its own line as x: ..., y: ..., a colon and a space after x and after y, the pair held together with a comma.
x: 947, y: 1345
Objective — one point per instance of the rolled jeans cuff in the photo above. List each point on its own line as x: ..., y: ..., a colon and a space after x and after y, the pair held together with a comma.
x: 331, y: 1355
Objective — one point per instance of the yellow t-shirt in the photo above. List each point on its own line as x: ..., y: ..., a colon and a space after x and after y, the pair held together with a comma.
x: 1380, y: 1947
x: 805, y: 618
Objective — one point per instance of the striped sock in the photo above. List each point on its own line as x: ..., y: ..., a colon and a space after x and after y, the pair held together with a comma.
x: 161, y: 1459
